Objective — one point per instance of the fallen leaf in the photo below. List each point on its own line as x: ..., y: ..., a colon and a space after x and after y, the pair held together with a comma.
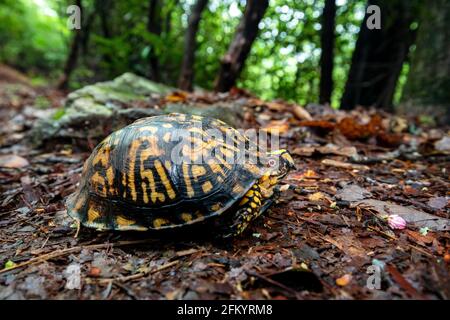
x: 402, y: 282
x: 317, y: 196
x: 276, y: 127
x: 13, y: 161
x: 95, y: 272
x: 344, y: 280
x: 304, y: 151
x: 353, y: 130
x: 10, y: 264
x: 426, y: 239
x: 177, y: 96
x: 301, y: 113
x: 348, y: 244
x: 328, y: 149
x: 340, y: 151
x: 345, y: 165
x: 443, y: 145
x: 438, y: 202
x: 323, y: 125
x: 353, y: 192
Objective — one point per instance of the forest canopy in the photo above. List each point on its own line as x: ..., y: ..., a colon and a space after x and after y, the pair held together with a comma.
x: 285, y: 59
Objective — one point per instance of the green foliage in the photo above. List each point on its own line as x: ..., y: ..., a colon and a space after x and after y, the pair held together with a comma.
x: 284, y: 60
x: 33, y: 35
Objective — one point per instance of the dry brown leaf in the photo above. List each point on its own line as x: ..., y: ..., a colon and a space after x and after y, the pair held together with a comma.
x: 300, y: 113
x: 13, y: 161
x: 177, y: 96
x: 317, y: 196
x: 323, y: 125
x: 276, y: 127
x: 345, y: 165
x: 344, y: 280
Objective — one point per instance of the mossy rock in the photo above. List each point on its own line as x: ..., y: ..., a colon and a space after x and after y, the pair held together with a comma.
x: 94, y: 111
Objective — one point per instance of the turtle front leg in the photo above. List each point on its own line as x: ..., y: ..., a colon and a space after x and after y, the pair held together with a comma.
x: 252, y: 205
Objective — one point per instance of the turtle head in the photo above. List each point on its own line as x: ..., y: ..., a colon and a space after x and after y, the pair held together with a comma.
x: 280, y: 163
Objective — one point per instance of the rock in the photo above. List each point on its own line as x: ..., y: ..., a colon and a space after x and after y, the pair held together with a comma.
x: 96, y: 110
x: 353, y: 192
x: 443, y: 145
x: 438, y: 202
x: 416, y: 217
x: 230, y: 113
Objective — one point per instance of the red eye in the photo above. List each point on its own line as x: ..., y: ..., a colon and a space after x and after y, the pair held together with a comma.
x: 272, y: 163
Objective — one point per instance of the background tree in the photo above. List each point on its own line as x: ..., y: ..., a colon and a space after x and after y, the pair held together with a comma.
x: 234, y: 60
x: 187, y: 67
x: 327, y: 55
x: 72, y: 58
x: 154, y: 27
x: 428, y: 86
x: 379, y: 55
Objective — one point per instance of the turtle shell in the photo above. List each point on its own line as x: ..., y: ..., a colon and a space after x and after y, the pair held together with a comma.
x: 164, y: 172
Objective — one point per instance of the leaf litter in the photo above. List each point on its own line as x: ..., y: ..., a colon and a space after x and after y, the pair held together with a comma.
x: 319, y: 242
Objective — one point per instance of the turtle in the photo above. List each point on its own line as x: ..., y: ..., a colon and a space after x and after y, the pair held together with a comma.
x: 175, y: 170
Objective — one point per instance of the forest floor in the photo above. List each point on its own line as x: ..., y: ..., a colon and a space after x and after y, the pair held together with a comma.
x: 327, y: 239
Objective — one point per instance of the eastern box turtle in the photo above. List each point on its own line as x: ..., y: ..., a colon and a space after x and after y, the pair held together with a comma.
x: 175, y: 170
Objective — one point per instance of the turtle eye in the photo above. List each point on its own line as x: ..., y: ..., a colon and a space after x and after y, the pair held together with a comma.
x: 272, y: 163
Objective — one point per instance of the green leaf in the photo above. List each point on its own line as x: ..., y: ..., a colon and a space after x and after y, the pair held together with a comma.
x: 10, y: 264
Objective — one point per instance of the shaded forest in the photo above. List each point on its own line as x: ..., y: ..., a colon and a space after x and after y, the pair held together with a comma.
x: 300, y: 51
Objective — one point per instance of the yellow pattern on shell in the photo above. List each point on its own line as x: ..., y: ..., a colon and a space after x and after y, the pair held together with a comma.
x: 152, y: 129
x: 157, y: 223
x: 198, y: 171
x: 207, y: 186
x: 102, y: 156
x: 110, y: 179
x: 187, y: 217
x: 187, y: 180
x: 98, y: 182
x: 132, y: 156
x: 164, y: 179
x: 92, y: 215
x: 216, y: 207
x: 122, y: 221
x: 154, y: 194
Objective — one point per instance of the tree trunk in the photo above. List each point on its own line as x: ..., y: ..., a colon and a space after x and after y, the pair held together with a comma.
x: 86, y: 33
x: 168, y: 17
x: 428, y: 84
x: 154, y: 26
x: 233, y: 61
x: 187, y: 67
x: 104, y: 8
x: 326, y: 58
x: 72, y: 58
x: 379, y: 55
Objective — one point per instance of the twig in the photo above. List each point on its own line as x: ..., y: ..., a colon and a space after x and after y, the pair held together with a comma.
x: 63, y: 252
x: 382, y: 233
x: 137, y: 275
